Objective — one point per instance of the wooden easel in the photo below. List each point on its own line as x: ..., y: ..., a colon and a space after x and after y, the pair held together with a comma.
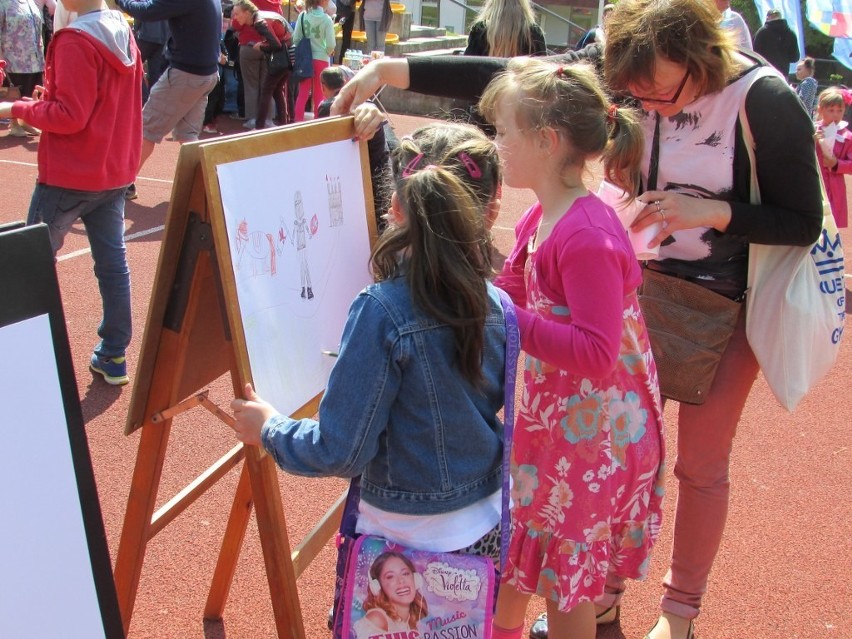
x: 185, y: 348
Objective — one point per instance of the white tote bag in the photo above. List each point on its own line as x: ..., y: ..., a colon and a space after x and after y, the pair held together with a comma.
x: 795, y: 303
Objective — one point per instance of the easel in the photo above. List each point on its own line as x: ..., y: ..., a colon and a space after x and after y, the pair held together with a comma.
x: 185, y: 349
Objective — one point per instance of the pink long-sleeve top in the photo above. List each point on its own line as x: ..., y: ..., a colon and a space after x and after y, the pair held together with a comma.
x: 586, y: 265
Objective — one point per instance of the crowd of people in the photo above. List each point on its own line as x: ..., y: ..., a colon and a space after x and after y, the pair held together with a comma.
x: 424, y: 348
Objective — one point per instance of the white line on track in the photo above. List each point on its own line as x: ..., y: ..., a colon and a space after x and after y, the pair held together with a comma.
x: 127, y: 238
x: 132, y: 236
x: 32, y: 164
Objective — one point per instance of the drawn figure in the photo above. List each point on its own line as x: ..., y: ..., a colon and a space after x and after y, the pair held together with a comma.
x: 301, y: 233
x: 259, y: 246
x: 335, y: 201
x: 394, y: 602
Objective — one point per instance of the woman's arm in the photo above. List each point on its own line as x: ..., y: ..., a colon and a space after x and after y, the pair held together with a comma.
x: 271, y: 40
x: 387, y: 71
x: 790, y: 211
x: 451, y: 76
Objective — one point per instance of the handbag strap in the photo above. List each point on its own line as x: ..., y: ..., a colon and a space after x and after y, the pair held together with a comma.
x: 654, y: 165
x: 349, y: 519
x: 513, y: 347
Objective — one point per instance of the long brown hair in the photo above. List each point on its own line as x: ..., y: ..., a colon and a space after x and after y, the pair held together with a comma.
x: 446, y: 175
x: 570, y: 100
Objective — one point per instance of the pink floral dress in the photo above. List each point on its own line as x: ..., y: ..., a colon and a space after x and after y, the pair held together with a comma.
x: 587, y: 463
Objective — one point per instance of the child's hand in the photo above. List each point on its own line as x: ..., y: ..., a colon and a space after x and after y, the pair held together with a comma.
x: 368, y: 120
x: 250, y: 415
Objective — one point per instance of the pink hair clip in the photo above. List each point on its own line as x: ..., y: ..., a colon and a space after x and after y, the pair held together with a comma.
x: 471, y: 165
x: 412, y: 165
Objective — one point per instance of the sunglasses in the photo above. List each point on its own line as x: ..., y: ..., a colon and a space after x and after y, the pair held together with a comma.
x: 670, y: 100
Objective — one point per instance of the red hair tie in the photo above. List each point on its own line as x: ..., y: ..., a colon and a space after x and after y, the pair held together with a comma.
x: 611, y: 113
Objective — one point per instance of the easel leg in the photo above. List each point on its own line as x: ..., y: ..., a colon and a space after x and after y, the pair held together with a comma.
x: 276, y: 545
x: 137, y: 518
x: 235, y: 533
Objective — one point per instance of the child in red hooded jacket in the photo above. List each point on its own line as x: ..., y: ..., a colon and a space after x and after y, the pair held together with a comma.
x: 90, y: 114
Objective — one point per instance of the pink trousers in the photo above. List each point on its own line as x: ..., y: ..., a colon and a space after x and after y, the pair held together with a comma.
x: 705, y: 436
x: 308, y: 87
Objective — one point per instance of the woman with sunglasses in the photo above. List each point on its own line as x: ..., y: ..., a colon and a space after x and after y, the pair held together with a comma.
x: 673, y: 59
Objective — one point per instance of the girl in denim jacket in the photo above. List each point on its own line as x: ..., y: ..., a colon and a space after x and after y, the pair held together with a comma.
x: 412, y: 400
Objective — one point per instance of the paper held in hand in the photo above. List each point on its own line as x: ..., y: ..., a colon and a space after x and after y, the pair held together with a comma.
x: 829, y: 133
x: 627, y: 211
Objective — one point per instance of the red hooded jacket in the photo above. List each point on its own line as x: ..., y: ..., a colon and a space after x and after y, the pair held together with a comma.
x: 91, y: 111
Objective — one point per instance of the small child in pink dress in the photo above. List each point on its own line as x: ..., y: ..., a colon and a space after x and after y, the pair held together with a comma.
x: 587, y: 459
x: 834, y: 151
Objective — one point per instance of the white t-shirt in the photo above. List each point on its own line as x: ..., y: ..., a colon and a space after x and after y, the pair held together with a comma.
x: 439, y: 533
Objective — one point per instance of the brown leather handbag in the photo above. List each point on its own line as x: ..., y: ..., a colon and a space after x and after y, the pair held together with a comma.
x: 689, y: 327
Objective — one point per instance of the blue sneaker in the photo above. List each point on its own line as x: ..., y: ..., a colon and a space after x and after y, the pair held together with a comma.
x: 114, y: 369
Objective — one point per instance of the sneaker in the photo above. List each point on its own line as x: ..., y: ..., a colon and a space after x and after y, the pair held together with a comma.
x: 248, y: 124
x: 114, y: 369
x: 209, y: 128
x: 18, y: 131
x: 130, y: 193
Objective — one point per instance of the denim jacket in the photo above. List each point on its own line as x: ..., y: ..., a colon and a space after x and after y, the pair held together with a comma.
x: 398, y: 412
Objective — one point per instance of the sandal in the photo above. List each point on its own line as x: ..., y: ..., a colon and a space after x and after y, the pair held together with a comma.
x: 607, y: 616
x: 690, y: 633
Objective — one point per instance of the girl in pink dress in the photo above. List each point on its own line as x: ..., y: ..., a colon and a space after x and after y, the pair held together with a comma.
x: 587, y: 459
x: 834, y: 155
